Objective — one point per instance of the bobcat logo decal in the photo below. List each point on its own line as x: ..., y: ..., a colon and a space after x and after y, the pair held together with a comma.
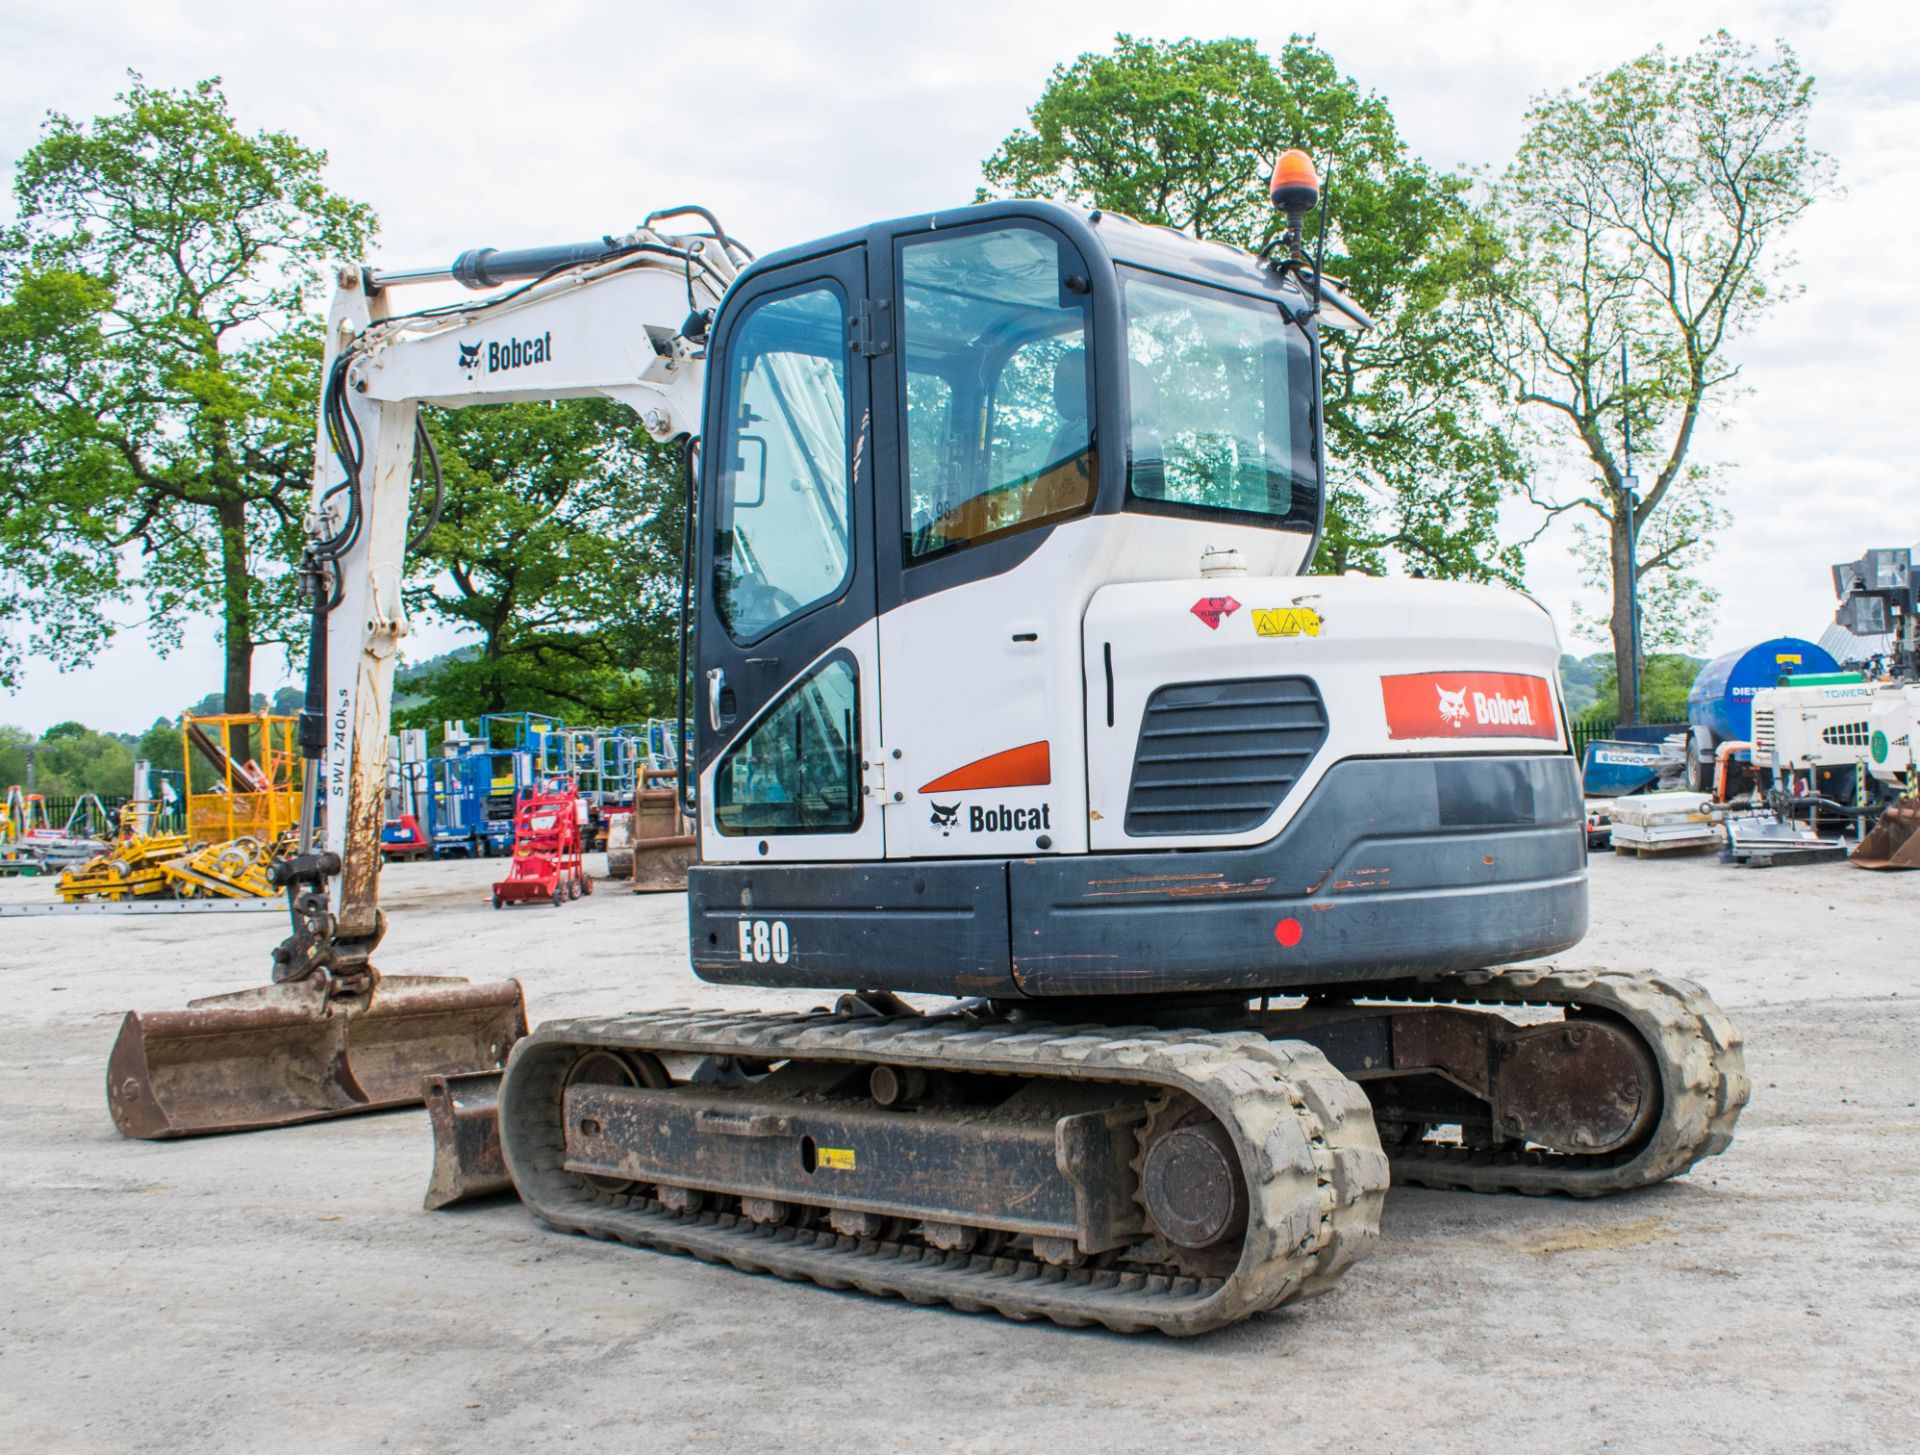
x: 946, y: 816
x: 469, y: 357
x: 1453, y: 705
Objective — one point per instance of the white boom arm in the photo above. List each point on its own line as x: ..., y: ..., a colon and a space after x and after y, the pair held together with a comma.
x: 616, y: 326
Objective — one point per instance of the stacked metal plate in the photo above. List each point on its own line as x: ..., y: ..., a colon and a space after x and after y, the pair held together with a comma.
x: 1663, y: 822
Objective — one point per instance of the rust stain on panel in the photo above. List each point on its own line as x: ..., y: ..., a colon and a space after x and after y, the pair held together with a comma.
x: 1208, y: 886
x: 1364, y: 879
x: 1153, y: 879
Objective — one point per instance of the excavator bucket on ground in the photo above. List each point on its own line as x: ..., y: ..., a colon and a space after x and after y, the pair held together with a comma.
x: 652, y: 846
x: 299, y: 1052
x: 1894, y: 842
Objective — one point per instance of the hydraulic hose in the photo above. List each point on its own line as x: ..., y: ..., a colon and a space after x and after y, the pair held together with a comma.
x: 686, y: 584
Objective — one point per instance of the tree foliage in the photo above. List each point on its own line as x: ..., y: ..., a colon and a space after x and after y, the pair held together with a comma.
x: 558, y: 546
x: 1183, y: 133
x: 158, y: 362
x: 160, y: 744
x: 1665, y: 680
x: 69, y: 759
x: 1646, y: 209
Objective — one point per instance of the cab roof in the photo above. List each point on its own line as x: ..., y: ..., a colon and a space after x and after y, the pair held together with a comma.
x: 1118, y: 238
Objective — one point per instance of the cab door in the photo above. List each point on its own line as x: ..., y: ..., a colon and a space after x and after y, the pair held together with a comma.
x: 990, y: 409
x: 787, y: 690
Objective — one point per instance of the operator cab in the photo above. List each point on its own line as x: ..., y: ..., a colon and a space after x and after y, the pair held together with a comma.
x: 927, y: 444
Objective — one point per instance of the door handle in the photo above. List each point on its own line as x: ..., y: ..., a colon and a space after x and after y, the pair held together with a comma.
x: 716, y: 680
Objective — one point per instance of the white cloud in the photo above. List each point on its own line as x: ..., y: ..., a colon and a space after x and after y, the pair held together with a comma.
x: 504, y: 124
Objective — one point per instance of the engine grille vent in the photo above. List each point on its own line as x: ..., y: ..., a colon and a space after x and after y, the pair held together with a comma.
x: 1847, y: 735
x: 1217, y: 757
x: 1763, y: 729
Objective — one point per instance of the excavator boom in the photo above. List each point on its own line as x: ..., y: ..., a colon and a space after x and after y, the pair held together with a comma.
x: 332, y: 1034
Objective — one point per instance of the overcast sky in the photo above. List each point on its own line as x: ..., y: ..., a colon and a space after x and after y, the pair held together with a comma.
x: 486, y: 123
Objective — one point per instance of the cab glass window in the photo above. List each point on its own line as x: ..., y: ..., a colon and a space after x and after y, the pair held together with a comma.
x: 781, y: 517
x: 999, y: 397
x: 1221, y: 403
x: 797, y: 770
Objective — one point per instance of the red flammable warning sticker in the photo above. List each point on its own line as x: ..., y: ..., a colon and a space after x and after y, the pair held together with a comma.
x: 1468, y: 705
x: 1211, y: 609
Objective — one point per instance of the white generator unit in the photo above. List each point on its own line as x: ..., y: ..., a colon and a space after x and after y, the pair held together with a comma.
x: 1802, y: 728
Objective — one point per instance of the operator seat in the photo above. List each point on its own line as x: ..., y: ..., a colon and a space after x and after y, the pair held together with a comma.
x: 1074, y: 434
x: 1066, y: 479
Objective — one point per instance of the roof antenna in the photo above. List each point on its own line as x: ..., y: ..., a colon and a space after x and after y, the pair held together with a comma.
x: 1320, y: 244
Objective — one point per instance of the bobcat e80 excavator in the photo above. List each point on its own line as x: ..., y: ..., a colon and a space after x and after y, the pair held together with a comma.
x: 1006, y: 687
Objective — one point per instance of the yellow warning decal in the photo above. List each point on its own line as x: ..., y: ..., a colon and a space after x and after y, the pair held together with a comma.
x: 1782, y: 659
x: 840, y: 1159
x: 1287, y: 621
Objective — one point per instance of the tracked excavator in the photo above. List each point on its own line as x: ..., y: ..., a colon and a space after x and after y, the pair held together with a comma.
x: 1006, y: 690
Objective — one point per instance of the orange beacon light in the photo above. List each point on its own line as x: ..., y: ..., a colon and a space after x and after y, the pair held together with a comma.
x: 1296, y: 186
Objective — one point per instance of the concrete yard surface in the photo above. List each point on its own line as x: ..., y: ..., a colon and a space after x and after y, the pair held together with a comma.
x: 283, y: 1291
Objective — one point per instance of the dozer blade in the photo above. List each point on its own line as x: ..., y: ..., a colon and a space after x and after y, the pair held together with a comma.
x: 1894, y: 842
x: 467, y: 1160
x: 289, y: 1053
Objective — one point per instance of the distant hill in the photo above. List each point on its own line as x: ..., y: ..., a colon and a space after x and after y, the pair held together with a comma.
x: 1580, y: 678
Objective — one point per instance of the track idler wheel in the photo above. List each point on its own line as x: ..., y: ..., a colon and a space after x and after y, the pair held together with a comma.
x: 1192, y: 1187
x: 602, y: 1067
x: 1586, y: 1085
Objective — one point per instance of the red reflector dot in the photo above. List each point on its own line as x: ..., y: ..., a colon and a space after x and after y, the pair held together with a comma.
x: 1287, y: 932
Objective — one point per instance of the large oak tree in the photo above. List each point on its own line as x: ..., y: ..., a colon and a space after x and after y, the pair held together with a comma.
x: 1183, y: 133
x: 159, y: 353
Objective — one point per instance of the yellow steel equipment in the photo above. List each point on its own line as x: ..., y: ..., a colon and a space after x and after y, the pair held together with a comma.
x: 134, y: 868
x: 242, y: 805
x: 244, y: 779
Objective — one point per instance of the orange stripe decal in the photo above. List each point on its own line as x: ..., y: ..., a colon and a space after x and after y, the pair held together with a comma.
x: 1021, y: 767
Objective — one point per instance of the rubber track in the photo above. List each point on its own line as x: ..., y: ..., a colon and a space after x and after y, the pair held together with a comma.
x: 1315, y: 1173
x: 1695, y: 1044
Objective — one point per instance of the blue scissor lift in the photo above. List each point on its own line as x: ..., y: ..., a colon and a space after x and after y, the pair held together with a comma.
x: 475, y: 783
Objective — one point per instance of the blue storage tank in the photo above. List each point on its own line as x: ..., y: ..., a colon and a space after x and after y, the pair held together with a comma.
x: 1720, y: 703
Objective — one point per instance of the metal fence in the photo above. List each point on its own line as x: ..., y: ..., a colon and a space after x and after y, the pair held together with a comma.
x: 1585, y: 732
x: 59, y: 807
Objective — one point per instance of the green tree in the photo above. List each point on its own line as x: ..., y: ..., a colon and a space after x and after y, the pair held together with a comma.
x: 1645, y: 210
x: 1184, y: 133
x: 158, y: 362
x: 70, y: 758
x: 14, y: 742
x: 558, y: 545
x: 160, y: 744
x: 1665, y: 680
